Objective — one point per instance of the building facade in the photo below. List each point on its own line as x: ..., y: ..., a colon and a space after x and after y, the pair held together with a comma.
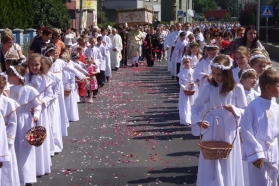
x: 172, y: 10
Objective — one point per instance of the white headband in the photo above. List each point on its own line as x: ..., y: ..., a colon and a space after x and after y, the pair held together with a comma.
x: 211, y: 46
x: 16, y: 73
x: 222, y: 67
x: 256, y: 56
x: 51, y: 48
x: 186, y: 57
x: 247, y: 70
x: 11, y: 59
x: 4, y: 75
x: 23, y: 60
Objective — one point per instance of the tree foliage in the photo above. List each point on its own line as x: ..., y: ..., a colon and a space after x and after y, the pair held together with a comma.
x: 16, y: 14
x: 247, y: 15
x: 51, y: 13
x: 201, y: 5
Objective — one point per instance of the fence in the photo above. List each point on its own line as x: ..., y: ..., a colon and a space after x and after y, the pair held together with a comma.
x: 22, y: 37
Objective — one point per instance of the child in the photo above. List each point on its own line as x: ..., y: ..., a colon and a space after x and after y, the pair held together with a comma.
x: 178, y: 52
x: 248, y: 78
x: 103, y: 69
x: 260, y: 132
x: 8, y: 107
x: 4, y: 151
x: 220, y: 124
x: 258, y: 63
x: 40, y: 82
x: 203, y: 69
x: 27, y: 97
x: 194, y: 52
x: 186, y: 82
x: 241, y: 56
x: 53, y: 109
x: 92, y: 84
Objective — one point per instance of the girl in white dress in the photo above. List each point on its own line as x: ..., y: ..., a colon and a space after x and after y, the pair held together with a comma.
x: 248, y: 78
x: 8, y: 110
x: 53, y: 109
x: 241, y: 56
x: 194, y: 52
x: 27, y: 98
x: 39, y: 81
x: 258, y: 62
x: 4, y: 151
x: 202, y: 73
x: 186, y: 82
x: 220, y: 124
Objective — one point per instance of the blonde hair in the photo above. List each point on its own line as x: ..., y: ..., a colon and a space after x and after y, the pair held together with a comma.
x: 65, y: 55
x: 7, y: 35
x: 243, y: 50
x: 270, y: 77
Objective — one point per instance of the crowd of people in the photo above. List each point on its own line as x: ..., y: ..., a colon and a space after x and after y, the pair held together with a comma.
x: 63, y: 69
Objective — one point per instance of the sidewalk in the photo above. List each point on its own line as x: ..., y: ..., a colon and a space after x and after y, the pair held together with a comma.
x: 130, y: 135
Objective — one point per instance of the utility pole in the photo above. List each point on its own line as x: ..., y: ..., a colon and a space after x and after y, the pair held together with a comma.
x: 258, y: 16
x: 80, y: 15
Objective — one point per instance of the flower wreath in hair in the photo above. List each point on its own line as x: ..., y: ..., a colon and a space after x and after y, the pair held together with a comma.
x: 186, y: 57
x: 16, y: 73
x: 222, y: 67
x: 3, y: 74
x: 192, y: 44
x: 20, y: 61
x: 256, y: 56
x: 247, y: 70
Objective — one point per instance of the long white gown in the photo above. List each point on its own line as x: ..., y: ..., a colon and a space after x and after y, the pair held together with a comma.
x: 115, y: 56
x: 43, y: 85
x: 202, y: 68
x: 227, y: 172
x: 259, y: 134
x: 54, y: 113
x: 27, y: 97
x: 235, y: 72
x: 185, y: 102
x: 108, y: 46
x: 10, y: 169
x: 4, y: 150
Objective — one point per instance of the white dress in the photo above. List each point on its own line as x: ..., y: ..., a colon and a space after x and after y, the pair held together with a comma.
x: 115, y: 56
x: 202, y: 68
x: 108, y: 46
x: 185, y: 102
x: 235, y: 72
x: 259, y: 133
x: 54, y: 113
x: 227, y: 172
x: 251, y: 95
x: 10, y: 169
x: 43, y: 85
x: 27, y: 97
x: 4, y: 150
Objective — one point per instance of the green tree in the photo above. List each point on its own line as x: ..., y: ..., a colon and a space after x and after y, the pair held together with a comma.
x: 247, y: 16
x: 51, y: 13
x: 16, y: 14
x: 201, y: 5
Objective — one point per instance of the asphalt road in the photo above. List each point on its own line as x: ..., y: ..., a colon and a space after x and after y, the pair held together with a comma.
x: 130, y: 135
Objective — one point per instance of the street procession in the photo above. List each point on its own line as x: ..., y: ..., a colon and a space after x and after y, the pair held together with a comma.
x: 139, y: 95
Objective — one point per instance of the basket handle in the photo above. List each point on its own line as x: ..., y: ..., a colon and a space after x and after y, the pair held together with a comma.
x: 203, y: 119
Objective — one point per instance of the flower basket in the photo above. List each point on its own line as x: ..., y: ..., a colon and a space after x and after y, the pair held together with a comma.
x: 189, y: 92
x: 67, y: 92
x: 36, y: 135
x: 214, y: 150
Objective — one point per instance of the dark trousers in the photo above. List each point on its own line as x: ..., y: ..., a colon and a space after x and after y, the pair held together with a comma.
x: 142, y: 52
x: 101, y: 77
x: 178, y: 70
x: 159, y: 51
x: 124, y: 57
x: 150, y: 61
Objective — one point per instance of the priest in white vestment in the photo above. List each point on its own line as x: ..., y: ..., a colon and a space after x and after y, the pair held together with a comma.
x: 115, y: 52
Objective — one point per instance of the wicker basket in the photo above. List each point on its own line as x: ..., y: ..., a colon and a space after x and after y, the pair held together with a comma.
x: 189, y: 92
x: 214, y: 150
x: 36, y: 135
x: 67, y: 92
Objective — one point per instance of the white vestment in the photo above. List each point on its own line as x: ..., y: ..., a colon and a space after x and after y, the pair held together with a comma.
x: 185, y: 102
x: 167, y: 47
x: 174, y: 37
x: 259, y: 133
x: 103, y: 58
x: 43, y: 85
x: 4, y: 150
x: 115, y: 56
x: 222, y: 127
x: 27, y: 98
x: 178, y: 53
x: 108, y: 46
x: 251, y: 95
x: 10, y: 170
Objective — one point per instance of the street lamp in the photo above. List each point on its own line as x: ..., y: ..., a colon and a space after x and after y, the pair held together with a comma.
x: 174, y: 13
x: 101, y: 7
